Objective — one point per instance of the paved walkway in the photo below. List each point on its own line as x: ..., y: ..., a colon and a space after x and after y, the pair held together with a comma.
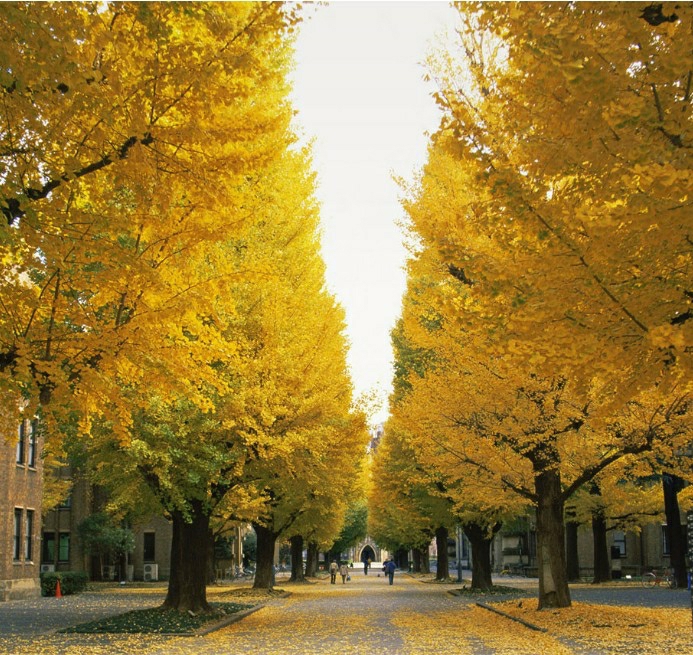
x: 365, y: 616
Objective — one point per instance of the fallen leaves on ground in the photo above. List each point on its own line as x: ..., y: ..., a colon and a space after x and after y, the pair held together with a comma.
x: 366, y: 616
x: 610, y: 629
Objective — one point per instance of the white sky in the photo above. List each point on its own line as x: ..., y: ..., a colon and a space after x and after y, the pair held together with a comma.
x: 360, y: 94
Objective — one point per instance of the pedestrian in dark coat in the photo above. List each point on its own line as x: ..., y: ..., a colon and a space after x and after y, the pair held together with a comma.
x: 390, y: 567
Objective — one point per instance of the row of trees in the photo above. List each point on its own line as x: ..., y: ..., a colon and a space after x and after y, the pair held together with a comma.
x: 163, y: 296
x: 544, y: 354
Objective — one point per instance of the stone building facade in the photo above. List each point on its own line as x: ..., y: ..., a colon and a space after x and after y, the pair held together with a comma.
x: 367, y: 548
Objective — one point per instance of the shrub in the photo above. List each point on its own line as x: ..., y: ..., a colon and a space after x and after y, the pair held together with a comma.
x: 71, y: 582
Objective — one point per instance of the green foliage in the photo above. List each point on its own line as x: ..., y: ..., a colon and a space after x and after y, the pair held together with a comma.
x: 250, y: 546
x: 71, y: 582
x: 101, y: 536
x: 223, y: 547
x: 355, y: 527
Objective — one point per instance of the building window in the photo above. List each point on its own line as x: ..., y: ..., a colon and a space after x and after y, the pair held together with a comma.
x: 48, y: 555
x: 149, y: 550
x: 17, y: 538
x: 21, y: 443
x: 28, y: 535
x: 620, y: 542
x: 64, y: 547
x: 33, y: 433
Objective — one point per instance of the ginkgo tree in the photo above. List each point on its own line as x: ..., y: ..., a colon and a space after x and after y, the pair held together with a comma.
x: 423, y: 362
x: 396, y: 517
x: 280, y: 437
x: 161, y: 270
x: 555, y: 197
x: 298, y: 416
x: 131, y: 134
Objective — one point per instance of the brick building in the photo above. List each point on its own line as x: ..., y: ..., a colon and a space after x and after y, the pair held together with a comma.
x: 62, y: 550
x: 21, y: 489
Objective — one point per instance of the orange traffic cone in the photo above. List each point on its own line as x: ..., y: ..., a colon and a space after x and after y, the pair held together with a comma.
x: 58, y: 593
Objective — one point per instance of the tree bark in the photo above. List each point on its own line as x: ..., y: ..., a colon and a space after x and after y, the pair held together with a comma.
x: 672, y: 484
x: 602, y: 570
x: 425, y: 560
x: 442, y: 571
x: 572, y: 557
x: 187, y: 587
x: 416, y: 557
x: 551, y: 561
x: 402, y: 559
x: 264, y: 569
x: 297, y: 559
x: 312, y: 560
x: 481, y: 554
x: 211, y: 560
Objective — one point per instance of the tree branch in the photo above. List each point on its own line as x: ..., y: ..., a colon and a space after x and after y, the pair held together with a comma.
x: 12, y: 206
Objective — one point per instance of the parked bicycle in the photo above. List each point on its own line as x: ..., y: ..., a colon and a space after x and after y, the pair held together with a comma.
x: 657, y: 579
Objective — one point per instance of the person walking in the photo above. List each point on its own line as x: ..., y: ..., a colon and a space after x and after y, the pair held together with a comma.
x: 344, y: 572
x: 390, y: 569
x: 366, y: 565
x: 333, y: 572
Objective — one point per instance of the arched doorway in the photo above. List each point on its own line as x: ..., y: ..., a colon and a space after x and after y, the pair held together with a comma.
x: 367, y: 553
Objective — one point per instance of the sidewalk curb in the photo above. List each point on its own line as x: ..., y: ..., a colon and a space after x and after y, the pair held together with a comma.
x: 527, y: 624
x: 230, y: 619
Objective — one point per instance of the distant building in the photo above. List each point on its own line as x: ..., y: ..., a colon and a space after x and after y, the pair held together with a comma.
x: 376, y: 433
x: 367, y: 548
x: 63, y: 551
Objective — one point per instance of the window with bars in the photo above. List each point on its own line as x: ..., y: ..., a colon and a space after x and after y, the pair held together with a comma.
x: 21, y: 443
x: 149, y: 550
x: 620, y: 542
x: 48, y: 547
x: 17, y: 535
x: 64, y: 547
x: 28, y: 535
x: 31, y: 442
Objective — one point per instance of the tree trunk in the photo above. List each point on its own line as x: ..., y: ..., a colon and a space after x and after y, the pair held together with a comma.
x: 572, y: 557
x: 553, y: 578
x: 481, y: 555
x: 672, y: 484
x: 264, y: 568
x: 312, y: 560
x: 602, y: 570
x: 425, y: 560
x: 402, y: 559
x: 211, y: 560
x: 442, y: 572
x: 416, y: 557
x: 187, y: 586
x: 297, y: 559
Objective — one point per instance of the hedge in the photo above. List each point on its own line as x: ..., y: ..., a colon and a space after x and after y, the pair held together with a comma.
x: 71, y: 582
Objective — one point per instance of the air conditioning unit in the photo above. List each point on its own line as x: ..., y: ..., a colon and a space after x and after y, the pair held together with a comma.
x: 151, y: 572
x: 47, y: 568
